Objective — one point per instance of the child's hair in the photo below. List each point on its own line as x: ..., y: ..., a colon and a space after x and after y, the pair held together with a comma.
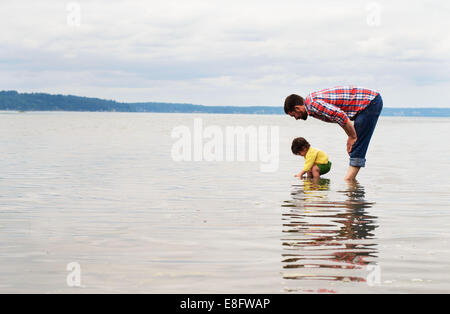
x: 299, y: 144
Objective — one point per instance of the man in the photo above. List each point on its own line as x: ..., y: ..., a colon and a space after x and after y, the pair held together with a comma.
x: 355, y: 109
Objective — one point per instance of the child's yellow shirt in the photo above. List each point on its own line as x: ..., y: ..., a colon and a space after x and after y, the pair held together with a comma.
x: 314, y: 156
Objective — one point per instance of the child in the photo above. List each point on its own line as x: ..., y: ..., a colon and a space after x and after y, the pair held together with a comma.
x: 316, y: 161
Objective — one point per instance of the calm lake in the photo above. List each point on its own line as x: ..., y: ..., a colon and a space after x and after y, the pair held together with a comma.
x: 96, y: 202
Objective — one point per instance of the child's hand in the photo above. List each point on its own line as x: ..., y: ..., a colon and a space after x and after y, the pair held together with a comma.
x: 300, y: 175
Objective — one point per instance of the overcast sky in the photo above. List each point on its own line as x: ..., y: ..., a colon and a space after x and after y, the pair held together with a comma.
x: 245, y: 52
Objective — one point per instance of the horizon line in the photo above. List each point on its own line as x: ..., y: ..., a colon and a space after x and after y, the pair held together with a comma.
x: 185, y: 103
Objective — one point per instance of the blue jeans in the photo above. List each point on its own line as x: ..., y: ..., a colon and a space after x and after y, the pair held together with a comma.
x: 365, y: 123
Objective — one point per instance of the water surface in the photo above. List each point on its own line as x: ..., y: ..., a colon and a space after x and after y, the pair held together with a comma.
x: 102, y: 190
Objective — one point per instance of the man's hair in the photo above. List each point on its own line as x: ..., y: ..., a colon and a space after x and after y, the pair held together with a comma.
x: 292, y: 101
x: 299, y: 144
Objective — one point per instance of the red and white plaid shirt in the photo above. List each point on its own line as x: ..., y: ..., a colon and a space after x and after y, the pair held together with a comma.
x: 338, y: 104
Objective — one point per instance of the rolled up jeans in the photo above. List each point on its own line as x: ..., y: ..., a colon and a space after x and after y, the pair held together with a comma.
x: 365, y: 123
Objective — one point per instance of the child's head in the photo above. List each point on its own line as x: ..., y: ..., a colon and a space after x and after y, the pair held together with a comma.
x: 300, y: 146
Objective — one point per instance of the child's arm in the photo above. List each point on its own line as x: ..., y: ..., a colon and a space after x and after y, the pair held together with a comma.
x: 300, y: 175
x: 309, y: 163
x: 310, y: 158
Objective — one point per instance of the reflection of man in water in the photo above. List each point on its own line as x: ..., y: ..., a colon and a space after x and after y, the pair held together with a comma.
x: 355, y: 109
x: 324, y: 233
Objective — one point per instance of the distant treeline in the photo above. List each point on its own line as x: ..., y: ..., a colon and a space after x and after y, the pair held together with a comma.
x: 12, y: 100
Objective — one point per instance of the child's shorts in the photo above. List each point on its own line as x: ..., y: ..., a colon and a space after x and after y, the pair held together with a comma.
x: 324, y: 168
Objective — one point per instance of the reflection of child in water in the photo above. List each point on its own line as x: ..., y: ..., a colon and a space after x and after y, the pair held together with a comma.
x: 316, y: 161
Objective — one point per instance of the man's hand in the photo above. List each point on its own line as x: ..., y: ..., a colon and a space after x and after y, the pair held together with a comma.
x: 351, y: 132
x: 300, y: 175
x: 350, y: 142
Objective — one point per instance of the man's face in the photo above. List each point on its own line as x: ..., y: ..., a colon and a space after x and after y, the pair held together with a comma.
x: 299, y: 113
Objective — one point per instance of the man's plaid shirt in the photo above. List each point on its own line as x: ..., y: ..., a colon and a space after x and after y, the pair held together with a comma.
x: 338, y: 104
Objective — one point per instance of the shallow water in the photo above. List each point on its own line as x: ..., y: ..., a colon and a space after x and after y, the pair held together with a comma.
x: 102, y: 190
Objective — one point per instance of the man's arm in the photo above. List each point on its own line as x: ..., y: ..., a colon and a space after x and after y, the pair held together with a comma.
x: 328, y: 112
x: 331, y: 113
x: 351, y: 132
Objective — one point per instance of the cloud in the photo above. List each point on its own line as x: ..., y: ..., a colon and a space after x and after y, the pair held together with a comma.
x: 227, y: 53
